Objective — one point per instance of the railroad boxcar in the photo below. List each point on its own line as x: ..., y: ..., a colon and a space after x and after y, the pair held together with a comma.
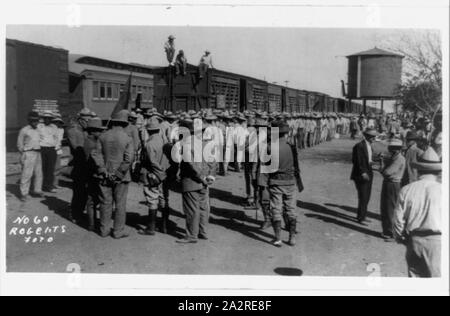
x: 33, y: 72
x: 303, y: 101
x: 291, y: 100
x: 253, y: 94
x: 219, y: 89
x: 275, y: 97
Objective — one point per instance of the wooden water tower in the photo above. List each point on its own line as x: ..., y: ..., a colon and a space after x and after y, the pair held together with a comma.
x: 374, y: 75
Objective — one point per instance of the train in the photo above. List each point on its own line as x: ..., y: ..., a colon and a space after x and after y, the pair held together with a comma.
x: 36, y: 73
x: 234, y: 92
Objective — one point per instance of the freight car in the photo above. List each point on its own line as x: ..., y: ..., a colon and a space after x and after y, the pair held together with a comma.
x: 33, y: 72
x: 219, y: 89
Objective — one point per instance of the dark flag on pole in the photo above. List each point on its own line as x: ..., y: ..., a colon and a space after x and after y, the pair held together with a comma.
x: 138, y: 101
x: 124, y: 99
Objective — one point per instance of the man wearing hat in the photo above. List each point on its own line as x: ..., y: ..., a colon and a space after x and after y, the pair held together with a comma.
x: 48, y: 141
x: 155, y: 166
x: 418, y: 218
x: 169, y: 48
x: 94, y: 130
x: 28, y: 144
x: 76, y: 136
x: 181, y: 64
x: 362, y: 172
x: 411, y: 154
x: 205, y: 64
x: 113, y: 158
x: 282, y: 186
x: 59, y: 123
x: 195, y: 179
x: 133, y: 131
x: 392, y: 170
x: 251, y: 155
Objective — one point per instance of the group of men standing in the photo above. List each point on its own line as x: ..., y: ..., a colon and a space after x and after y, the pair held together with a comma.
x: 40, y: 146
x: 410, y: 204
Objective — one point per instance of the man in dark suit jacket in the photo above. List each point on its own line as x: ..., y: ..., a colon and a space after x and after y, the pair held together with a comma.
x: 362, y: 172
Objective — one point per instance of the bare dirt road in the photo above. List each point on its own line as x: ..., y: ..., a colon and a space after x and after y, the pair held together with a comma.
x: 331, y: 242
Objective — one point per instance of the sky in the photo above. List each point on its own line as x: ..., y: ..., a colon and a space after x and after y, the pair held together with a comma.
x: 310, y: 59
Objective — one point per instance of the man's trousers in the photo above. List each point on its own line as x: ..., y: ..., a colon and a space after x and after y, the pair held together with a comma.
x: 31, y: 169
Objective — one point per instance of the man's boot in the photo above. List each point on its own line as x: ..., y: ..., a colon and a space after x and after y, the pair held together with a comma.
x: 277, y: 229
x: 292, y: 232
x: 151, y: 227
x: 267, y: 221
x: 286, y: 222
x: 165, y: 220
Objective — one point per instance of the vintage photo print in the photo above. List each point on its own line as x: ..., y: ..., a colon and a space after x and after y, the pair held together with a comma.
x: 290, y: 146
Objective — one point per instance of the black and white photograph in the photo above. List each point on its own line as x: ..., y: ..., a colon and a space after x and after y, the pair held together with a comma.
x: 288, y: 150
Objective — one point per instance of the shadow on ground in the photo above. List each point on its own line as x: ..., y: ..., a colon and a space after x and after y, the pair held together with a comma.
x: 288, y: 271
x: 329, y: 216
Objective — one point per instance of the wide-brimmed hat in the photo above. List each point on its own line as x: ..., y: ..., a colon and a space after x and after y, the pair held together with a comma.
x: 429, y: 161
x: 371, y: 132
x: 133, y: 115
x: 171, y: 37
x: 260, y: 122
x: 394, y: 143
x: 33, y: 116
x: 412, y: 136
x: 170, y: 116
x: 153, y: 125
x: 47, y: 114
x: 85, y: 113
x: 283, y: 128
x: 95, y: 124
x: 120, y: 117
x: 210, y: 117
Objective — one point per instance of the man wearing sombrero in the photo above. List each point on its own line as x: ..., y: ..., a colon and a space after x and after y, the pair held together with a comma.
x: 417, y: 220
x: 392, y: 170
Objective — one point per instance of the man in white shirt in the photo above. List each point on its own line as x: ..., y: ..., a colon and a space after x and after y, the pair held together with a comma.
x: 48, y: 141
x: 169, y: 48
x: 28, y: 144
x: 205, y: 64
x: 417, y: 220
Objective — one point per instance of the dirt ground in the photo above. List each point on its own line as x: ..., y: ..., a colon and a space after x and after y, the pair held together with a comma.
x: 330, y: 243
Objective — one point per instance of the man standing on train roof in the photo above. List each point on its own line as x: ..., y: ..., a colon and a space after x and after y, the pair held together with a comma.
x: 205, y: 63
x: 113, y: 158
x: 169, y: 48
x: 28, y: 144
